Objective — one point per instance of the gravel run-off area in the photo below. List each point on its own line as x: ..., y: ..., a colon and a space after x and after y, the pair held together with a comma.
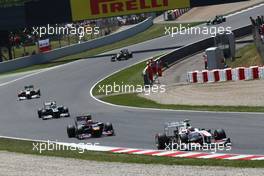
x: 241, y: 93
x: 29, y: 165
x: 208, y: 12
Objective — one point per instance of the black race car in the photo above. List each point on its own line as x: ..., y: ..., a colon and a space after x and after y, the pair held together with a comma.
x: 29, y: 93
x: 51, y: 110
x: 85, y: 127
x: 217, y: 20
x: 182, y: 136
x: 122, y: 55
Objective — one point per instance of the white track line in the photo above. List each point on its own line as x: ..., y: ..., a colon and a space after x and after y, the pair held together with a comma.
x: 245, y: 10
x: 34, y: 74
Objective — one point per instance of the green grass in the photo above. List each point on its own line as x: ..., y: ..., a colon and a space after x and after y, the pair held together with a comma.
x: 246, y: 56
x: 25, y: 147
x: 135, y: 101
x: 129, y: 76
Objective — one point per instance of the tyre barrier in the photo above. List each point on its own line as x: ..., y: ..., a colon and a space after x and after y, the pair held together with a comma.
x: 174, y: 14
x: 228, y: 74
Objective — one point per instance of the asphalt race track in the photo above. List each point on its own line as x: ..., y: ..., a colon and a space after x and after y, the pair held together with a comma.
x: 70, y: 85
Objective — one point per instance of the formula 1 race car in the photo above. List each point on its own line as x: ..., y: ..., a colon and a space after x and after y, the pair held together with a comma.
x: 29, y: 93
x: 122, y: 55
x: 182, y: 133
x: 51, y: 110
x: 85, y: 127
x: 217, y: 20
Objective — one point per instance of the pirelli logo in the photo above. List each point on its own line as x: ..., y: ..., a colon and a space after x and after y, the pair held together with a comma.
x: 91, y: 9
x: 114, y: 6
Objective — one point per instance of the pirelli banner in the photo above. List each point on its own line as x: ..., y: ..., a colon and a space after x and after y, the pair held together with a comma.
x: 91, y: 9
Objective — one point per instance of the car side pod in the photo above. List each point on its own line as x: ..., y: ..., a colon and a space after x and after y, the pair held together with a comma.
x: 108, y: 129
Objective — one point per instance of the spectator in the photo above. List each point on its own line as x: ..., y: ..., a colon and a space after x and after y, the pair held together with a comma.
x: 253, y: 21
x: 159, y: 69
x: 152, y: 64
x: 259, y: 22
x: 262, y: 29
x: 205, y: 61
x: 150, y: 73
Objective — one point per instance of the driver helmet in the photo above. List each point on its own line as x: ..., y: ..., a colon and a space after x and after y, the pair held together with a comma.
x: 89, y: 121
x: 53, y: 105
x: 191, y: 129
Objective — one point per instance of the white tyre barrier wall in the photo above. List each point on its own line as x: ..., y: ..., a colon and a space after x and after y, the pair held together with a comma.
x: 200, y: 77
x: 248, y: 74
x: 222, y: 74
x: 211, y: 77
x: 192, y: 77
x: 261, y: 72
x: 228, y: 74
x: 178, y: 12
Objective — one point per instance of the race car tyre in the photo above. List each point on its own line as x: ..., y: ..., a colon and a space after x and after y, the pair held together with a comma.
x: 71, y: 131
x: 219, y: 134
x: 65, y: 109
x: 108, y: 127
x: 161, y: 141
x: 184, y: 138
x: 38, y: 92
x: 39, y: 113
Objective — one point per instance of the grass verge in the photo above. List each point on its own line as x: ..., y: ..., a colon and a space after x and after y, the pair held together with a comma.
x: 129, y: 76
x: 246, y: 56
x: 26, y: 147
x: 135, y: 101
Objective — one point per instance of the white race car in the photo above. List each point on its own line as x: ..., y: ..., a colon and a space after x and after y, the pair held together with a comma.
x: 29, y: 93
x: 177, y: 134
